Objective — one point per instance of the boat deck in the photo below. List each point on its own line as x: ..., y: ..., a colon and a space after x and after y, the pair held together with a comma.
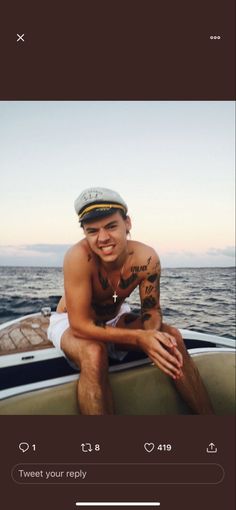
x: 30, y: 333
x: 25, y: 335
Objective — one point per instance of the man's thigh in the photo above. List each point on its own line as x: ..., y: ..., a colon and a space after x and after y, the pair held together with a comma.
x: 81, y: 349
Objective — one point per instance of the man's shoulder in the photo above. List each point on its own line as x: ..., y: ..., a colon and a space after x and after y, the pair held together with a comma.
x: 140, y: 251
x: 78, y: 253
x: 145, y: 260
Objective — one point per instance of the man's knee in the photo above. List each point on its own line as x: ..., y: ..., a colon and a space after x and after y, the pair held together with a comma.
x: 86, y: 354
x: 176, y: 334
x: 180, y: 344
x: 93, y: 355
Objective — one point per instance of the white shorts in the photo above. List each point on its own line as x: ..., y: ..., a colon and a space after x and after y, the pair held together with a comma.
x: 59, y: 323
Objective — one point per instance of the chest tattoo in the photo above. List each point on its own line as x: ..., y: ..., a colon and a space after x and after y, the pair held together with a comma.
x: 124, y: 284
x: 104, y: 281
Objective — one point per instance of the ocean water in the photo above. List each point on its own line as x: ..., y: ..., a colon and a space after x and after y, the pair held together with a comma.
x: 201, y: 299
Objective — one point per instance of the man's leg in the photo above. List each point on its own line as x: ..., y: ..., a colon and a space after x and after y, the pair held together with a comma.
x: 94, y: 392
x: 190, y: 384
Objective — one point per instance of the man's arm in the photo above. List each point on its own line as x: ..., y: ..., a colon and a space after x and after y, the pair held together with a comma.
x: 151, y: 315
x: 149, y: 290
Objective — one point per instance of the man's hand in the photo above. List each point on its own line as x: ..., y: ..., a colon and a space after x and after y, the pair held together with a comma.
x: 162, y: 350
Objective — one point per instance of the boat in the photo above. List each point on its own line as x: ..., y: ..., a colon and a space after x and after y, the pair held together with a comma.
x: 36, y: 379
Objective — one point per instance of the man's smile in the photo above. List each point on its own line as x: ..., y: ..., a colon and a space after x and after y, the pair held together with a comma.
x: 107, y: 249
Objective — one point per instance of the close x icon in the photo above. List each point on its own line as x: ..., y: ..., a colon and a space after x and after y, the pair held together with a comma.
x: 20, y: 37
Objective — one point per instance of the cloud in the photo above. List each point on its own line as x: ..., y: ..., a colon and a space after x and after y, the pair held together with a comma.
x: 228, y: 251
x: 48, y: 248
x: 33, y: 254
x: 214, y: 257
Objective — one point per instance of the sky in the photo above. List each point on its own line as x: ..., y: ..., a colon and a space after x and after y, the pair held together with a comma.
x: 172, y: 161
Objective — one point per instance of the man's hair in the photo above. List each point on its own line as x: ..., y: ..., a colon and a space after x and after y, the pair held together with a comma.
x: 108, y: 213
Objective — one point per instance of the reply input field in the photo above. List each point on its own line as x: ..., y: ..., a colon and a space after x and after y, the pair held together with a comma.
x: 118, y: 473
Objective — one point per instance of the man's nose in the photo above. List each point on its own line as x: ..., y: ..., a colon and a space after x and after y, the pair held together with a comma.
x: 103, y: 235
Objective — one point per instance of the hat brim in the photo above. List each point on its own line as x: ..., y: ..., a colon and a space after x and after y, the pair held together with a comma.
x: 97, y: 214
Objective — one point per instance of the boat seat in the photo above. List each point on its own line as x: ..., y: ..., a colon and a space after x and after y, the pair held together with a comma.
x: 140, y: 391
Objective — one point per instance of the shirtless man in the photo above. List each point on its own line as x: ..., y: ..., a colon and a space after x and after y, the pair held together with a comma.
x: 92, y: 319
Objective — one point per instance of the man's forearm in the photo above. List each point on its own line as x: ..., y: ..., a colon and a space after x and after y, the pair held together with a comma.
x: 152, y: 319
x: 88, y: 330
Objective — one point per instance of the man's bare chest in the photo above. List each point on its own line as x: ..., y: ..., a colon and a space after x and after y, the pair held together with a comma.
x: 106, y: 287
x: 109, y: 292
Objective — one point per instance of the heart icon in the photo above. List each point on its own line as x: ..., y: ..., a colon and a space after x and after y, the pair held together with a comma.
x: 149, y: 447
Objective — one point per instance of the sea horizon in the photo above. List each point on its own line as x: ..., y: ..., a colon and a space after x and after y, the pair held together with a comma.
x: 199, y: 298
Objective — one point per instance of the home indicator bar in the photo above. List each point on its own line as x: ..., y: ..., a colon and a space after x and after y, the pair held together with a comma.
x: 118, y: 503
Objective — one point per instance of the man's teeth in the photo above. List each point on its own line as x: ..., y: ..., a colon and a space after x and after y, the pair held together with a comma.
x: 106, y: 249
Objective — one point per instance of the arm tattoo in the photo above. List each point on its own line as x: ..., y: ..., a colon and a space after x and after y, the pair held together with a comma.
x: 148, y: 303
x: 143, y: 267
x: 149, y: 289
x: 138, y: 269
x: 131, y: 317
x: 152, y: 278
x: 146, y: 317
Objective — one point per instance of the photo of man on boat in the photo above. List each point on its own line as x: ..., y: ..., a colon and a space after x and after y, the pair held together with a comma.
x: 93, y: 321
x: 120, y: 301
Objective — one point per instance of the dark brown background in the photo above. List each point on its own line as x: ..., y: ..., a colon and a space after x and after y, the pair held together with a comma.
x: 121, y: 50
x: 58, y: 440
x: 117, y: 49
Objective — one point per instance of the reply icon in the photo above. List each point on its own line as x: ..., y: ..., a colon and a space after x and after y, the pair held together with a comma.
x: 23, y: 447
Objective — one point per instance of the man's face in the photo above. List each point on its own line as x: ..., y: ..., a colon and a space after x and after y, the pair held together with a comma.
x: 107, y: 237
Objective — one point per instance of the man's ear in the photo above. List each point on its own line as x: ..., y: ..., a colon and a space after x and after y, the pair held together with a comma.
x: 128, y: 225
